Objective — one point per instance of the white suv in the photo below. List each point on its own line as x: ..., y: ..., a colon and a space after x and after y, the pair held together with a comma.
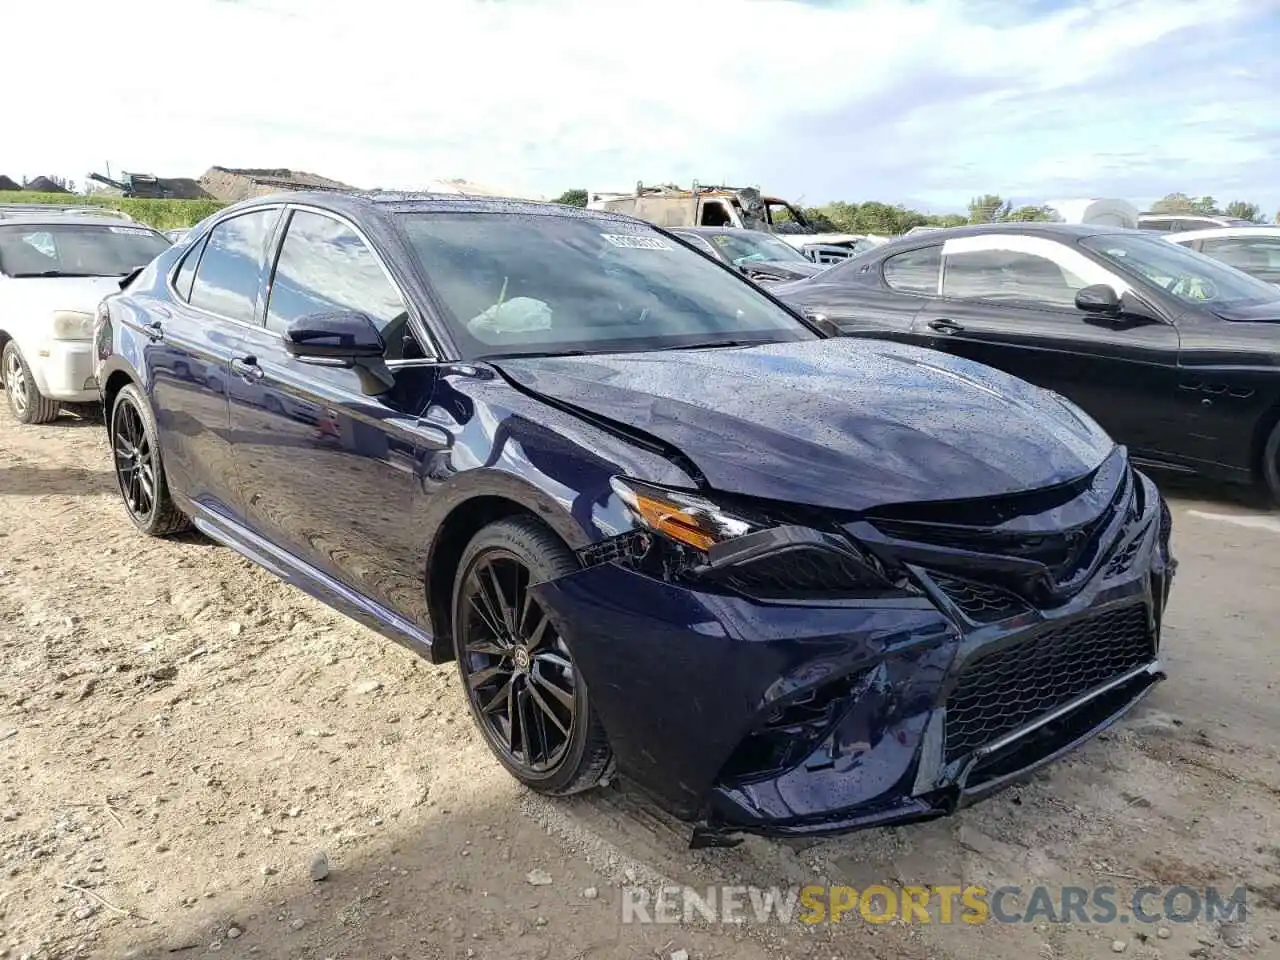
x: 55, y: 268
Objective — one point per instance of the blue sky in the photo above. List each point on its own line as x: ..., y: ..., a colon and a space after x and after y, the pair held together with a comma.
x: 925, y: 102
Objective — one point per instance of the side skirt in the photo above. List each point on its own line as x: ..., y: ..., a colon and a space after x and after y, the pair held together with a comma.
x: 318, y: 584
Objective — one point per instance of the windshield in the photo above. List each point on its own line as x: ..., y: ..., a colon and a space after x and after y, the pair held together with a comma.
x: 76, y: 249
x: 547, y: 284
x: 746, y: 247
x: 1185, y: 274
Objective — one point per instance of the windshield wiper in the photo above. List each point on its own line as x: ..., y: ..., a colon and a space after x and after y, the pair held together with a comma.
x: 530, y: 355
x: 56, y: 273
x: 721, y: 343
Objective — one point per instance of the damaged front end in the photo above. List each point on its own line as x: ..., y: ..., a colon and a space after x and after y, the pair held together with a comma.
x: 793, y: 671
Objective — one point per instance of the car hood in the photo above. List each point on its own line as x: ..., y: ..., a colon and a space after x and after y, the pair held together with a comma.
x: 797, y: 286
x: 843, y: 423
x: 783, y: 269
x: 62, y: 293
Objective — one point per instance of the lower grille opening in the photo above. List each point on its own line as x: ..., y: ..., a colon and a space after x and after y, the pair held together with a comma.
x: 790, y: 733
x: 1056, y: 735
x: 1003, y: 689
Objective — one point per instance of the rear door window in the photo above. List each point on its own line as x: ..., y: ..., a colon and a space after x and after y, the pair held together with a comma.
x: 227, y: 278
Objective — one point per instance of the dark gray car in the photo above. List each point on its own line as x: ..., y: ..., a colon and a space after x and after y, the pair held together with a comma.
x: 763, y: 257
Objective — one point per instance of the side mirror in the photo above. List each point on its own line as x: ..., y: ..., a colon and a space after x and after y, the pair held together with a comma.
x: 334, y: 336
x: 1100, y: 298
x: 342, y: 340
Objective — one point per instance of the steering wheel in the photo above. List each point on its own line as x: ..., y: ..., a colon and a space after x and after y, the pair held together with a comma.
x: 1194, y: 288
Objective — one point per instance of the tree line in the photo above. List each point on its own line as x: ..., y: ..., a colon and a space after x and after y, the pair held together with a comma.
x: 872, y: 216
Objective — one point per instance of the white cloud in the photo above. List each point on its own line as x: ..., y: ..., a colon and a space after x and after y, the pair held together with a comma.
x: 538, y: 94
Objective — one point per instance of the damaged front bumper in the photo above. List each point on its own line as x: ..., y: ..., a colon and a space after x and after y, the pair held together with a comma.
x: 799, y: 719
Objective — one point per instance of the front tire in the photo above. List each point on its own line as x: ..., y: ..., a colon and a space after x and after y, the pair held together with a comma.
x: 139, y: 470
x: 1271, y: 464
x: 26, y: 402
x: 521, y: 683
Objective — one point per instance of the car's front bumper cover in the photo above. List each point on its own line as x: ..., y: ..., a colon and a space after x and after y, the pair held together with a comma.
x: 794, y: 720
x: 63, y: 370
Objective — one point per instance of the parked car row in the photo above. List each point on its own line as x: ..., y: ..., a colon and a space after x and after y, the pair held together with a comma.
x: 1176, y: 354
x: 789, y: 582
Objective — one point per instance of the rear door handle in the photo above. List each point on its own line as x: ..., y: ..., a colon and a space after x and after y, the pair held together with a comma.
x: 945, y: 326
x: 247, y: 367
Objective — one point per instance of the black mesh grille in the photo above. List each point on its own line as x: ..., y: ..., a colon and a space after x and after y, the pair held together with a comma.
x: 998, y: 692
x: 980, y: 602
x: 798, y: 575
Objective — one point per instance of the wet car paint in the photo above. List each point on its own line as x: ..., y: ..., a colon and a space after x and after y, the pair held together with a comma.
x: 855, y: 425
x: 1184, y: 387
x: 367, y: 502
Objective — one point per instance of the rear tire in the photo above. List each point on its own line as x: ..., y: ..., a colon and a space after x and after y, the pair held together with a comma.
x: 513, y: 660
x: 139, y: 469
x: 1271, y: 464
x: 26, y: 402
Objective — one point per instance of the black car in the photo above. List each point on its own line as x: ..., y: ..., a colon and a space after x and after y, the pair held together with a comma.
x: 786, y: 582
x: 760, y: 256
x: 1175, y: 354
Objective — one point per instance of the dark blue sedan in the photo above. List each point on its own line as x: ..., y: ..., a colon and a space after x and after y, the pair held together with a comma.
x: 787, y: 583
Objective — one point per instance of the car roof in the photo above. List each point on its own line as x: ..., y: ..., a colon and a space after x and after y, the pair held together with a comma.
x: 714, y: 230
x: 356, y: 203
x: 1029, y: 228
x: 39, y: 220
x: 1182, y: 215
x: 1260, y: 229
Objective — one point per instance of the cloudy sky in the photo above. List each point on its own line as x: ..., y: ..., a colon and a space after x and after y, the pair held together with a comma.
x: 925, y: 102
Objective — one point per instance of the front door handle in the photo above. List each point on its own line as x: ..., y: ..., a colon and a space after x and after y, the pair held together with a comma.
x: 945, y: 326
x: 247, y: 367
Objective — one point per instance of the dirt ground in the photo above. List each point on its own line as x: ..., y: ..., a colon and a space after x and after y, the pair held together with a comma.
x: 181, y: 735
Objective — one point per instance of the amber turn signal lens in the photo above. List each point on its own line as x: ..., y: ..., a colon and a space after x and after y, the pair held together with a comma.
x: 670, y: 520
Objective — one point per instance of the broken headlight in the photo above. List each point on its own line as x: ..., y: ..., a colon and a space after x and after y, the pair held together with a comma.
x: 685, y: 518
x: 691, y: 538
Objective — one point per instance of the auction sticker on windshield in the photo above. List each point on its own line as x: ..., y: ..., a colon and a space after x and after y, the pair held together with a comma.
x: 638, y: 243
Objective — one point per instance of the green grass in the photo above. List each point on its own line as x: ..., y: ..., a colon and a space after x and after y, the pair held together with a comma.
x: 161, y: 214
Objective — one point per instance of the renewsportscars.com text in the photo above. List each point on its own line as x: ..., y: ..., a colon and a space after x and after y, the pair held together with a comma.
x: 943, y: 903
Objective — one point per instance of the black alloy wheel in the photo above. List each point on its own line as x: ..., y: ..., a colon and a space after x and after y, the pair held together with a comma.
x: 139, y: 471
x: 521, y: 682
x: 135, y: 462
